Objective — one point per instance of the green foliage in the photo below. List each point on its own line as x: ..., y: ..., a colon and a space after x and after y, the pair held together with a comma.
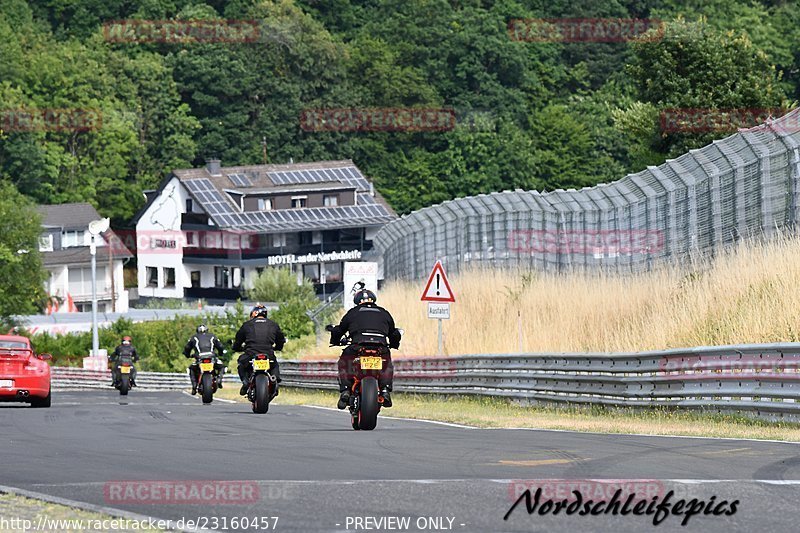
x: 695, y: 66
x: 556, y: 114
x: 21, y: 291
x: 277, y: 285
x: 159, y: 343
x: 280, y: 285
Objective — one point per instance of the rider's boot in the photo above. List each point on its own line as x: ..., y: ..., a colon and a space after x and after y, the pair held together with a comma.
x: 344, y: 399
x: 387, y: 397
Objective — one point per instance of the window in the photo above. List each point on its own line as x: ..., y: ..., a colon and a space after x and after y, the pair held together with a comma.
x: 169, y: 277
x: 195, y: 278
x: 72, y: 238
x: 305, y: 237
x: 80, y: 281
x: 151, y: 275
x: 333, y: 272
x: 333, y: 235
x: 189, y: 205
x: 330, y: 200
x: 191, y: 239
x: 222, y: 277
x: 299, y: 201
x: 46, y: 243
x: 265, y: 204
x: 277, y: 240
x: 311, y: 272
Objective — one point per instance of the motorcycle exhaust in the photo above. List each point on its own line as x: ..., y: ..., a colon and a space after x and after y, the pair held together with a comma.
x: 23, y: 393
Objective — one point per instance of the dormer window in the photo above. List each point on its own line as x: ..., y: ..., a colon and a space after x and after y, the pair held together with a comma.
x: 265, y: 204
x: 46, y: 243
x: 298, y: 202
x: 330, y: 200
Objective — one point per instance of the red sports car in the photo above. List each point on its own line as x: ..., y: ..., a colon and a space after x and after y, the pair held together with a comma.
x: 24, y: 376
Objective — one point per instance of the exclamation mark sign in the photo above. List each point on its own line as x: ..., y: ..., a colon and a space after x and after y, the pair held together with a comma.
x: 437, y: 284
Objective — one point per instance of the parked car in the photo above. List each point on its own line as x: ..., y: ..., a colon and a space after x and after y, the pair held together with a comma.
x: 24, y: 376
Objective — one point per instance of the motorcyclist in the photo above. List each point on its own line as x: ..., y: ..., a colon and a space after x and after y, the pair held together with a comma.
x: 204, y: 343
x: 366, y: 323
x: 259, y: 335
x: 124, y: 349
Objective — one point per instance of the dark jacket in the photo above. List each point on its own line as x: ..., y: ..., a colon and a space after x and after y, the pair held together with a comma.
x: 259, y: 335
x: 203, y: 343
x: 367, y: 324
x: 125, y: 350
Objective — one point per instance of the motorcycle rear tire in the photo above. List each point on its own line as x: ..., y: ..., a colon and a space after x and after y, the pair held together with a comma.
x: 125, y: 385
x: 368, y: 406
x: 207, y: 382
x: 261, y: 399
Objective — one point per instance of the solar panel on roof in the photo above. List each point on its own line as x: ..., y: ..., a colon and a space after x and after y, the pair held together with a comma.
x: 240, y: 180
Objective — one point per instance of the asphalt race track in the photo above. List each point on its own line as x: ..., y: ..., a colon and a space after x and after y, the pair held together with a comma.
x: 307, y: 467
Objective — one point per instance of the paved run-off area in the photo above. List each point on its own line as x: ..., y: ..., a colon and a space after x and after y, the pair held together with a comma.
x: 304, y: 469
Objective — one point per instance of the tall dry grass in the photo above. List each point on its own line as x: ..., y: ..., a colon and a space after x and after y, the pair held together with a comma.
x: 749, y: 294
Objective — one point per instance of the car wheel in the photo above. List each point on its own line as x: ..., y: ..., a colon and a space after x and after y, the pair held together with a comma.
x: 42, y: 402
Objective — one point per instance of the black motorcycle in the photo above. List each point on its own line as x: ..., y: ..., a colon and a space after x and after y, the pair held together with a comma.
x: 365, y: 395
x: 126, y: 373
x: 262, y: 386
x: 207, y: 378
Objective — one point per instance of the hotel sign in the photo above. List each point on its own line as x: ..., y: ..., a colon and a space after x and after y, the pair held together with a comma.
x: 292, y: 259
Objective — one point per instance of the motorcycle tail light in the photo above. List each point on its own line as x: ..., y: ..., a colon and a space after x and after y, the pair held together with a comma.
x: 206, y: 360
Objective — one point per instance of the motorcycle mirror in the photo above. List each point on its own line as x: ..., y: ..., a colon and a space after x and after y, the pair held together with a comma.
x: 45, y: 356
x: 329, y: 327
x: 402, y: 331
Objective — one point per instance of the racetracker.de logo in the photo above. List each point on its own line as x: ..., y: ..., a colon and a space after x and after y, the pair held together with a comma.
x: 50, y: 119
x: 593, y: 489
x: 182, y: 31
x: 353, y: 119
x: 586, y: 241
x: 181, y: 492
x: 584, y: 30
x: 773, y: 366
x: 696, y: 120
x: 214, y: 242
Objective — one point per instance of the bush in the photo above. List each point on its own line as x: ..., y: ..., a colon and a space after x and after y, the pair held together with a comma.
x: 280, y: 285
x: 159, y: 343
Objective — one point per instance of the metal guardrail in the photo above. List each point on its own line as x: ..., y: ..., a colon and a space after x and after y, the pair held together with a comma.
x: 760, y: 380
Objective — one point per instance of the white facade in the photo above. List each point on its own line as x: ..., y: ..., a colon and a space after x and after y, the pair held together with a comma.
x: 156, y: 230
x: 74, y: 281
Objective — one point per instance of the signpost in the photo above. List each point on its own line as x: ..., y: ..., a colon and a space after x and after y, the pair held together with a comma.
x: 356, y: 274
x: 439, y: 296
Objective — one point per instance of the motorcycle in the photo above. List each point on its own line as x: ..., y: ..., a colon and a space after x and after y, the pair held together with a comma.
x: 365, y: 396
x: 126, y: 373
x: 262, y: 386
x: 207, y: 379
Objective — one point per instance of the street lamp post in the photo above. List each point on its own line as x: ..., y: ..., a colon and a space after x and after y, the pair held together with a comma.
x: 96, y: 227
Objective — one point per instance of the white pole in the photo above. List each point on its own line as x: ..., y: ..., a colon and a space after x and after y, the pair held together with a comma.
x: 95, y: 340
x: 441, y: 343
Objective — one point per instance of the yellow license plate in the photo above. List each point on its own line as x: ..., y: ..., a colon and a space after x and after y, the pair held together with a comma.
x: 125, y: 369
x: 261, y: 364
x: 371, y: 363
x: 206, y: 367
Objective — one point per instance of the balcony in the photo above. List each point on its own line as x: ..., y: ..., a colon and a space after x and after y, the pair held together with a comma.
x: 212, y: 294
x: 258, y: 252
x: 194, y: 219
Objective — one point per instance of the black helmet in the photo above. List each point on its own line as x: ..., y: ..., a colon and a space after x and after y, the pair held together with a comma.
x: 202, y: 328
x: 258, y: 310
x: 364, y: 296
